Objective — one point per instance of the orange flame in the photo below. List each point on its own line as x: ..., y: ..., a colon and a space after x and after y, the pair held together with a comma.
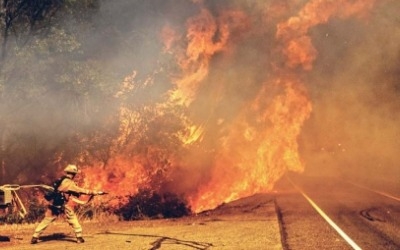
x: 205, y: 36
x: 253, y: 149
x: 297, y: 45
x: 260, y: 147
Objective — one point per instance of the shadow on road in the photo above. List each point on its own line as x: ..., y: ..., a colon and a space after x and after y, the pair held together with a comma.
x: 56, y: 236
x: 4, y: 238
x: 167, y: 240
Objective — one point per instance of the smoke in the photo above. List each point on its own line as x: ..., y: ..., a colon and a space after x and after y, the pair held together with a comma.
x: 354, y: 89
x: 213, y: 100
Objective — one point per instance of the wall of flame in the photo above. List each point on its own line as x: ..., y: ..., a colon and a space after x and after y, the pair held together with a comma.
x: 229, y: 124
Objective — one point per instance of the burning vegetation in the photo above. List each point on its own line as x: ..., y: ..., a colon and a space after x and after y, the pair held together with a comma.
x: 224, y: 129
x: 216, y: 117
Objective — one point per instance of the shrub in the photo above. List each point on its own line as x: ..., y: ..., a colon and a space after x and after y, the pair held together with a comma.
x: 148, y: 204
x: 35, y: 211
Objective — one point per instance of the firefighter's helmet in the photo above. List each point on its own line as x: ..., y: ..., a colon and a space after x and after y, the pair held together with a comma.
x: 71, y: 169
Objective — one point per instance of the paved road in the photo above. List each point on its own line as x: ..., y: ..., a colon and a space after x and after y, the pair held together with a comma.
x: 369, y: 219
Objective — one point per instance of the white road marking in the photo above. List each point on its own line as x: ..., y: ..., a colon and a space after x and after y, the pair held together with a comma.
x: 333, y: 224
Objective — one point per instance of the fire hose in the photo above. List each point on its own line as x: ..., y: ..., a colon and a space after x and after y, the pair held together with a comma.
x: 50, y: 189
x: 91, y: 197
x: 12, y: 188
x: 15, y: 187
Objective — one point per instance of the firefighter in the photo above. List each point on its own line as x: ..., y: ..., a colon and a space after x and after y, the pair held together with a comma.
x: 70, y: 191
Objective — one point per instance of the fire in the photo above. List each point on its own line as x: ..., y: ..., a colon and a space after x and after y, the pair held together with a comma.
x: 185, y: 144
x: 205, y: 37
x: 260, y: 147
x: 297, y: 45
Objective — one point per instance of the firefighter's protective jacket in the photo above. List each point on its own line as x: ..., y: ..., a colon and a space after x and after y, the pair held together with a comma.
x: 71, y: 189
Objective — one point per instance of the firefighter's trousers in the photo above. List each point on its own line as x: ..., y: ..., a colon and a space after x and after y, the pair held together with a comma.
x: 51, y: 215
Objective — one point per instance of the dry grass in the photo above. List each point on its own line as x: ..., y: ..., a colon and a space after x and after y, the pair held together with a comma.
x: 249, y: 223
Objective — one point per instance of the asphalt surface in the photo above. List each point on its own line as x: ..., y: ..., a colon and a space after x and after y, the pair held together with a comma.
x: 369, y: 215
x: 370, y: 219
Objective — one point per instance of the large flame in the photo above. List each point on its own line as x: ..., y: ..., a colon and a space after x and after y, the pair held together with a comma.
x: 210, y: 156
x: 205, y: 37
x: 293, y: 33
x: 260, y: 145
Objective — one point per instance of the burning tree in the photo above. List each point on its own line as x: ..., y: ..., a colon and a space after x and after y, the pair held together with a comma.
x: 215, y: 117
x: 199, y: 141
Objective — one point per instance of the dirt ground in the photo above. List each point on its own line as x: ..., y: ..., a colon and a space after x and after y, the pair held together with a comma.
x: 249, y: 223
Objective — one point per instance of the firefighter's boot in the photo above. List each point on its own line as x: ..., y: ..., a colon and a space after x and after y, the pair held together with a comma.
x: 79, y: 240
x: 34, y: 240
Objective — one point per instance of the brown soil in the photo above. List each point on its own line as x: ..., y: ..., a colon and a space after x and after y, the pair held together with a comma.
x: 249, y: 223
